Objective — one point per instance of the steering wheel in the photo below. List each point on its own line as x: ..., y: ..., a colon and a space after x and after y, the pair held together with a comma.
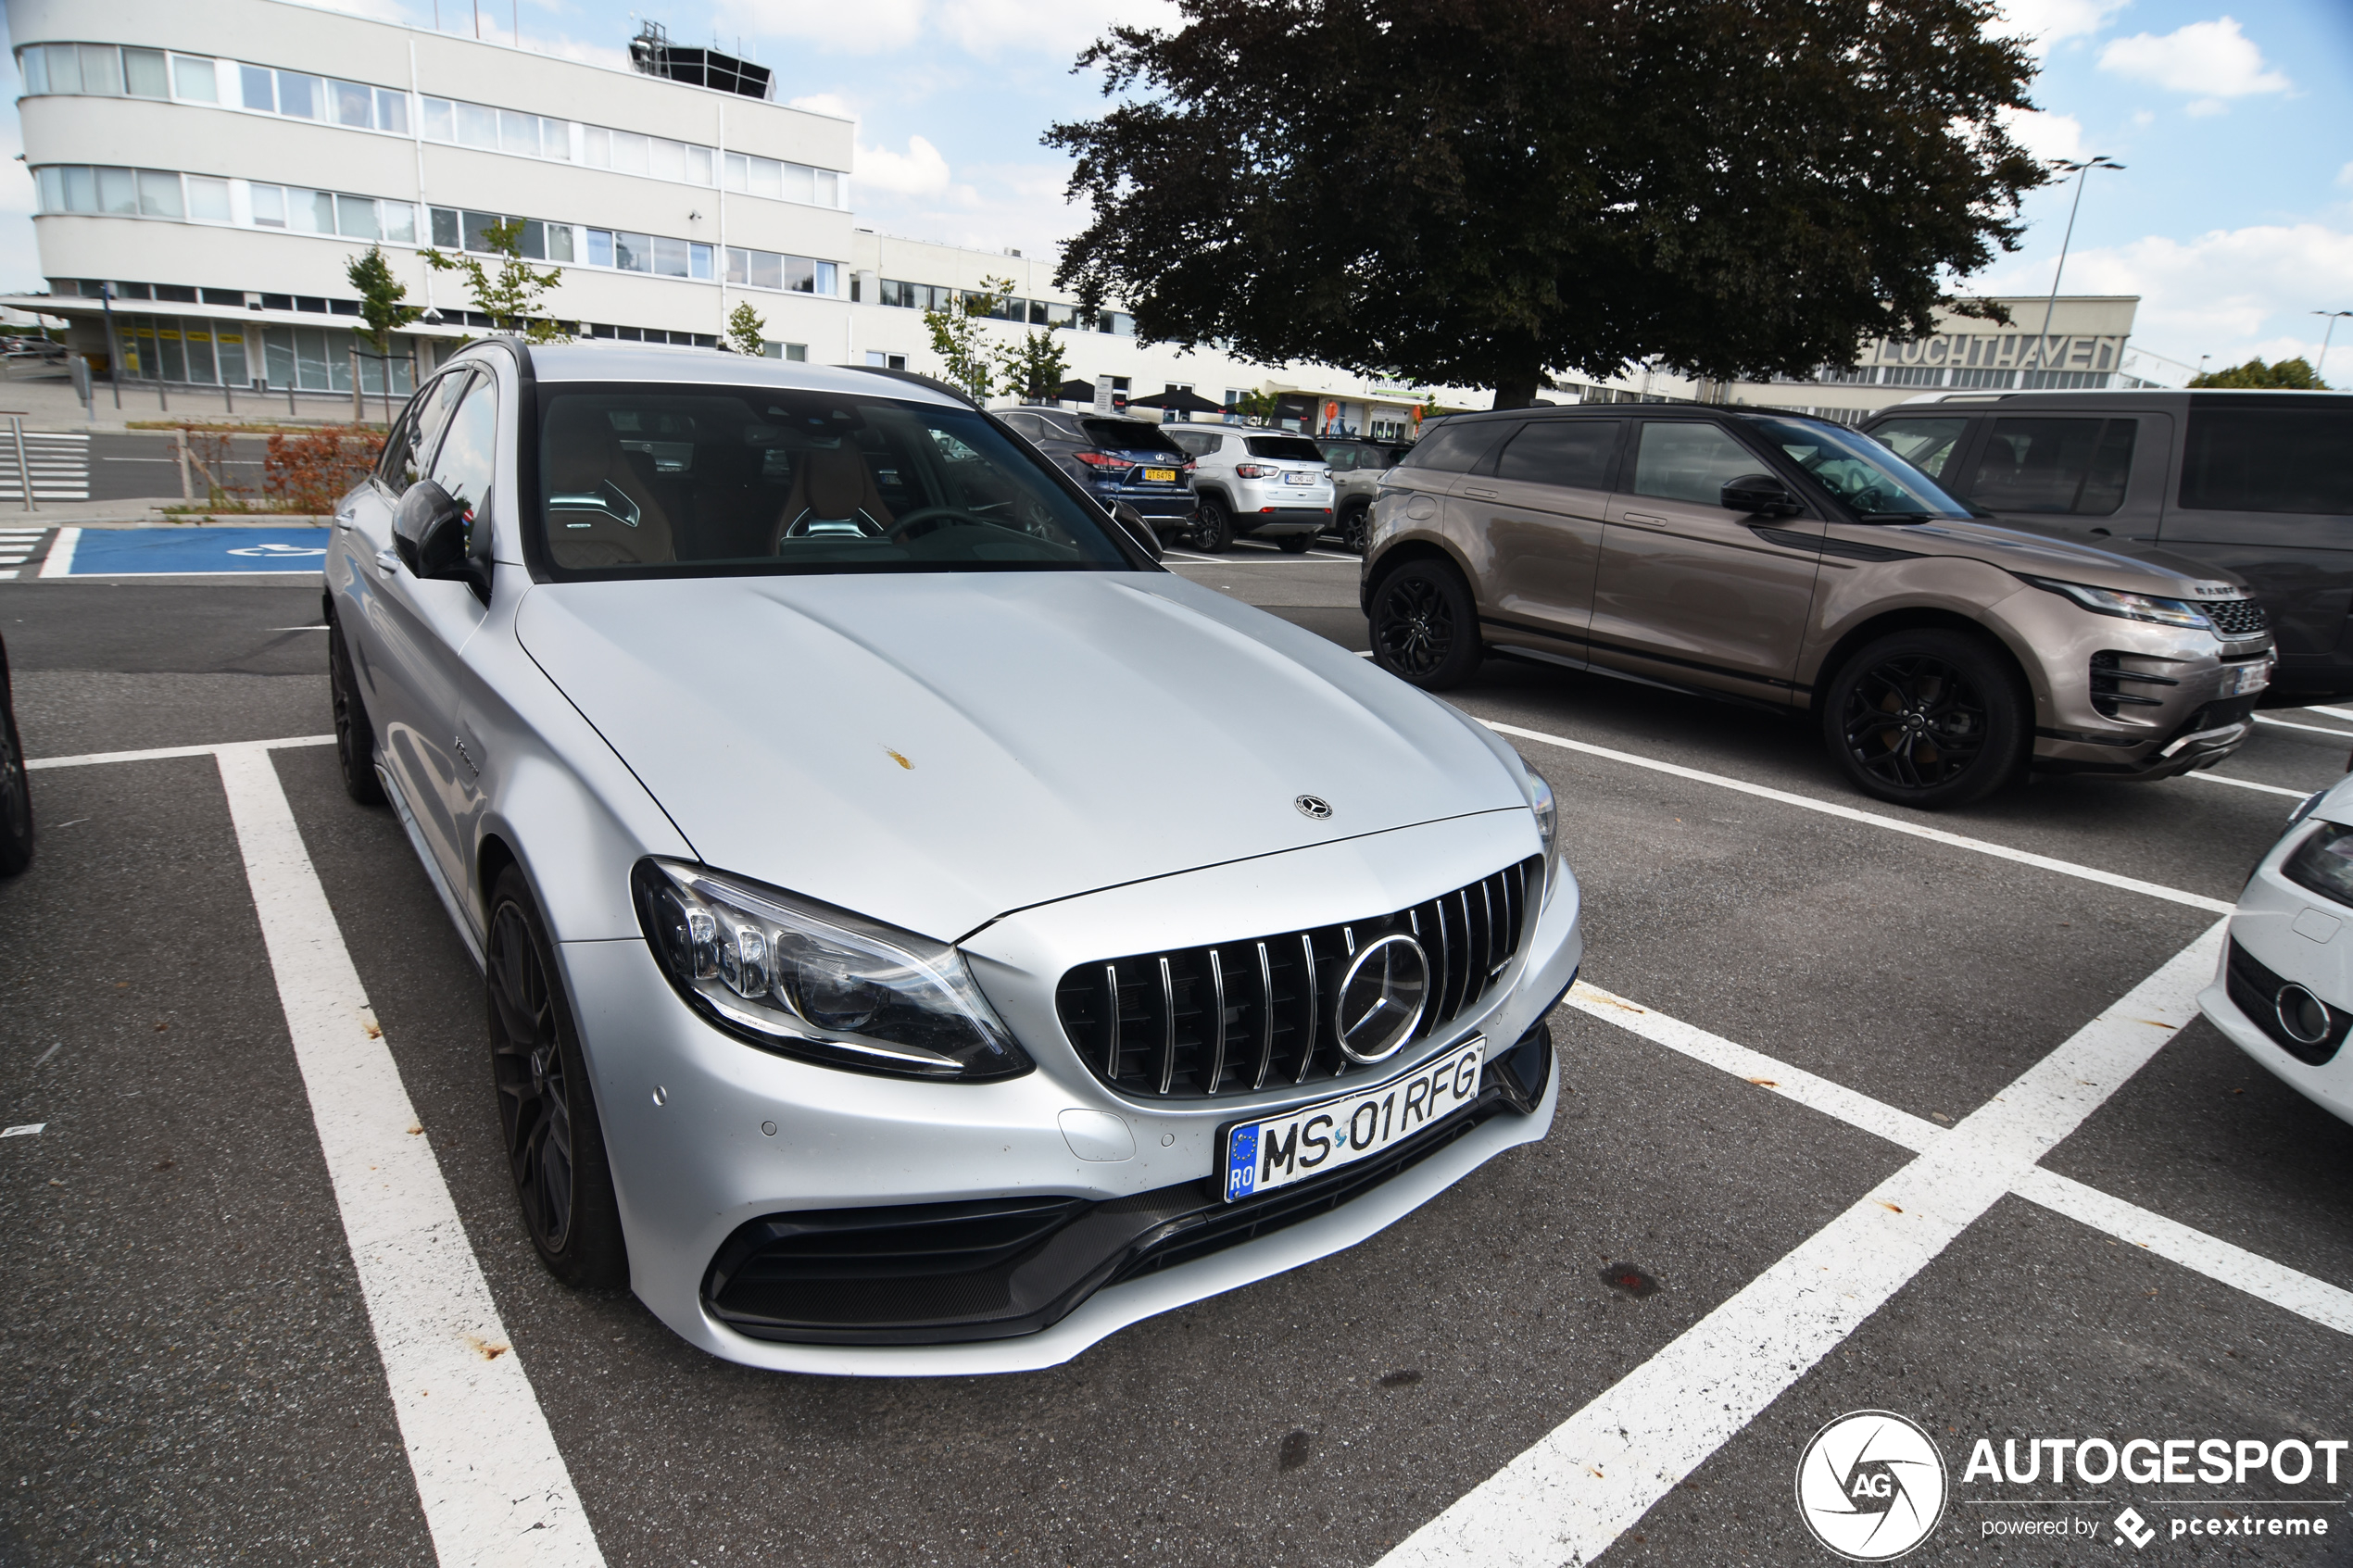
x: 939, y: 517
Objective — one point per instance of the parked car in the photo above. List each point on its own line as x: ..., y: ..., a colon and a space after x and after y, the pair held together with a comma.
x: 1256, y: 483
x: 16, y: 792
x: 1788, y: 561
x: 1116, y: 460
x: 2284, y: 992
x: 2254, y: 484
x: 1357, y: 469
x: 817, y: 777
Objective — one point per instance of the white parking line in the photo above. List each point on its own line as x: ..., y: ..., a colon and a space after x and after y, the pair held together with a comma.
x: 2345, y: 713
x: 494, y: 1486
x: 1577, y: 1490
x: 2308, y: 729
x: 59, y: 562
x: 92, y: 759
x: 1833, y: 809
x: 2249, y: 783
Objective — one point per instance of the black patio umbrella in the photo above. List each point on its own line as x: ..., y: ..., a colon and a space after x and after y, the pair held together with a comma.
x: 1076, y: 392
x: 1180, y: 401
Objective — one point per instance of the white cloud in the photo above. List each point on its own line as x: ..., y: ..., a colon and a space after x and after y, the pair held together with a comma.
x: 978, y: 27
x: 918, y: 171
x: 2344, y: 177
x: 2230, y: 292
x: 2213, y: 59
x: 2046, y: 135
x: 824, y: 103
x: 2046, y: 24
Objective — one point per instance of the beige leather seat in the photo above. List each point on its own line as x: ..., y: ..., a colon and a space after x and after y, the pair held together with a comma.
x: 830, y: 485
x: 602, y: 510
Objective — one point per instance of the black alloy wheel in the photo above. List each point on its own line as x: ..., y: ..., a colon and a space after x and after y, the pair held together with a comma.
x: 1296, y: 544
x: 1212, y: 525
x: 1353, y: 525
x: 16, y: 791
x: 355, y: 739
x: 1425, y: 627
x: 555, y: 1142
x: 1928, y: 718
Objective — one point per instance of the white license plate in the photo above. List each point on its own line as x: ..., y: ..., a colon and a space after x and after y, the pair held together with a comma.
x: 2247, y: 678
x: 1299, y: 479
x: 1160, y: 476
x: 1261, y: 1155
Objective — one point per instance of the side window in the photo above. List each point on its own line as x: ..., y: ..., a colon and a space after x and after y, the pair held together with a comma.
x: 469, y: 454
x: 1193, y: 441
x: 2055, y: 466
x: 1021, y: 424
x: 1689, y: 461
x: 1455, y: 448
x: 1341, y: 459
x: 2269, y: 460
x: 1926, y: 445
x: 410, y: 447
x: 1577, y: 454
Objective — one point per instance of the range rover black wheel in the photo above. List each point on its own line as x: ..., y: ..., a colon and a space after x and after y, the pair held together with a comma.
x: 355, y: 740
x: 1212, y: 525
x: 555, y: 1142
x: 1930, y: 719
x: 1425, y: 626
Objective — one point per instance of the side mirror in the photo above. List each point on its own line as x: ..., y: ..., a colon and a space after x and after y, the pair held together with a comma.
x: 1759, y: 495
x: 1137, y: 528
x: 431, y: 529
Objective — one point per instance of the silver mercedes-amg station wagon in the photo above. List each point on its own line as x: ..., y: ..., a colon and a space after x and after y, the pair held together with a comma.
x: 921, y: 934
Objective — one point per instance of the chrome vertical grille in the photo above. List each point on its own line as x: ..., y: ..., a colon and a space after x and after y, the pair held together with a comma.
x: 1253, y: 1013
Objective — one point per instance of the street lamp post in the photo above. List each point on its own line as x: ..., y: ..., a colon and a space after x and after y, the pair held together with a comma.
x: 2079, y: 169
x: 2334, y: 315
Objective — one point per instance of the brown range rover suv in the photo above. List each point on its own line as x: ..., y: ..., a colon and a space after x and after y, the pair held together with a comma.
x: 1788, y: 561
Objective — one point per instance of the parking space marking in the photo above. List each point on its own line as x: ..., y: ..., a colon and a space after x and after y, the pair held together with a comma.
x: 1851, y: 814
x: 59, y: 562
x: 494, y: 1486
x: 2308, y: 729
x: 1580, y: 1487
x: 2249, y: 783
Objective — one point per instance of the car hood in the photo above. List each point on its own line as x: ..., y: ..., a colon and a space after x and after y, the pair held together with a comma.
x: 2122, y: 565
x: 938, y: 750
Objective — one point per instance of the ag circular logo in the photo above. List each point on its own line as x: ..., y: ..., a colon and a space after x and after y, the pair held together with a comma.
x: 1381, y: 998
x: 1871, y: 1485
x: 1314, y: 806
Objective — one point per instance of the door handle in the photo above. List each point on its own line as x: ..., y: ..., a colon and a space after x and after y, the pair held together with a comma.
x: 1648, y: 520
x: 1475, y: 490
x: 387, y: 560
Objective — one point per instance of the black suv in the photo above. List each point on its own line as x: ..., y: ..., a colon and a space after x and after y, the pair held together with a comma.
x: 1116, y: 460
x: 2258, y: 484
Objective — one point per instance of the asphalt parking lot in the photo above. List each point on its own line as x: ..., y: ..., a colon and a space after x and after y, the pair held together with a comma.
x: 1867, y: 1109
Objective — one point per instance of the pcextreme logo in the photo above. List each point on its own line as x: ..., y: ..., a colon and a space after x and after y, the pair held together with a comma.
x: 1871, y: 1485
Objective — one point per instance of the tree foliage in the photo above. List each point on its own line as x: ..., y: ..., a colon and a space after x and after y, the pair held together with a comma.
x: 380, y: 297
x: 513, y: 299
x: 2292, y: 375
x: 1256, y: 406
x: 956, y: 336
x: 1036, y: 367
x: 1482, y: 192
x: 747, y: 332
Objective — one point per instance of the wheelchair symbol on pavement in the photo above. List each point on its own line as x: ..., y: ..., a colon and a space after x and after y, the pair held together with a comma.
x: 277, y: 549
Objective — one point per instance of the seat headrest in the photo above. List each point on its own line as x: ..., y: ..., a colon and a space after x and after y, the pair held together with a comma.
x: 580, y: 447
x: 834, y: 481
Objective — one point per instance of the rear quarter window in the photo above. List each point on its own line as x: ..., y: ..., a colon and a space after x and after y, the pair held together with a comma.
x: 2269, y: 460
x: 1455, y: 448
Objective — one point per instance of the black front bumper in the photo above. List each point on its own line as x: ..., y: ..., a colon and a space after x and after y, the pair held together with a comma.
x: 933, y: 1273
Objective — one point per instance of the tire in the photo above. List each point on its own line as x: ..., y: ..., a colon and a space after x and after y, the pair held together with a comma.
x: 1295, y: 544
x: 354, y: 737
x: 1212, y: 525
x: 16, y: 791
x: 1352, y: 527
x: 1425, y: 626
x: 546, y: 1111
x: 1930, y: 719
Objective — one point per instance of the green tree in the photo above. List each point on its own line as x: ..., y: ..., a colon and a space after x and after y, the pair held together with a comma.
x: 2292, y: 375
x: 1485, y: 192
x: 1255, y: 406
x: 1035, y: 367
x: 956, y: 336
x: 513, y: 298
x: 746, y: 331
x: 380, y: 297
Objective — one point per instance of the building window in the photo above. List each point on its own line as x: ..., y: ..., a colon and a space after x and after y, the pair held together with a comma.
x: 880, y: 360
x: 143, y: 74
x: 194, y: 80
x: 785, y: 182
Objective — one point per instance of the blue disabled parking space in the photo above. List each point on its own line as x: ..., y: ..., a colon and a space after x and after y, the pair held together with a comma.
x: 134, y: 552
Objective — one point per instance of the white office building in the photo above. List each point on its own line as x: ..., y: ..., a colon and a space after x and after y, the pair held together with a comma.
x: 207, y: 172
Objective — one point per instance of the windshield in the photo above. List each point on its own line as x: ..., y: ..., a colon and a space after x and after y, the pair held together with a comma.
x: 1867, y: 477
x: 644, y: 481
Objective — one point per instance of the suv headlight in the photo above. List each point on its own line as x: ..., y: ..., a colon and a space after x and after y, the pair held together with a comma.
x: 810, y: 981
x: 2128, y: 607
x: 1540, y: 800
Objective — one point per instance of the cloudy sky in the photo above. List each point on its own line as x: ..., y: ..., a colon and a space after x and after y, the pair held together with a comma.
x: 2233, y: 220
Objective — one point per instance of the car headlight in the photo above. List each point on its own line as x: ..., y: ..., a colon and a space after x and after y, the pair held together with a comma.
x: 1540, y: 800
x: 2324, y: 863
x: 808, y: 980
x: 2129, y: 607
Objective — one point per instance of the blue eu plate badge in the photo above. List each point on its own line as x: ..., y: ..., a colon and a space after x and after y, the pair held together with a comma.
x: 1242, y: 1163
